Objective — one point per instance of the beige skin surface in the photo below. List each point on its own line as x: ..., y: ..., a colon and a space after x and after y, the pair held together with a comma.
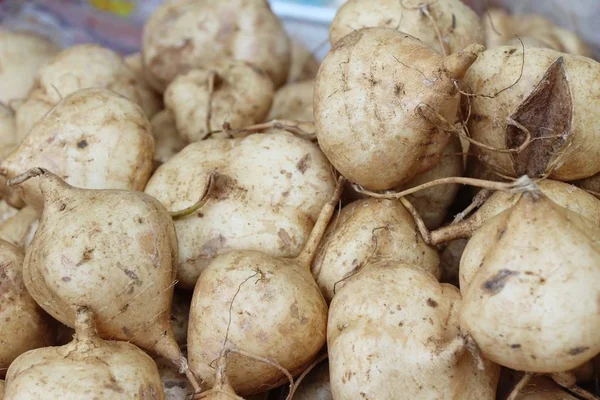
x: 167, y: 141
x: 85, y: 368
x: 378, y: 100
x: 24, y: 324
x: 8, y: 136
x: 394, y: 329
x: 21, y: 55
x: 304, y: 65
x: 80, y: 67
x: 568, y: 107
x: 232, y: 91
x: 94, y: 245
x: 458, y: 25
x: 6, y: 211
x: 563, y: 194
x: 293, y: 101
x: 502, y: 29
x: 185, y: 34
x: 363, y: 233
x: 20, y: 228
x: 94, y: 139
x: 269, y: 195
x: 531, y: 300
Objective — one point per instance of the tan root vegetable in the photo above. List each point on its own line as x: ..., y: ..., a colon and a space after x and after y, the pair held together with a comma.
x: 221, y: 389
x: 381, y: 99
x: 433, y: 203
x: 88, y: 366
x: 24, y: 325
x: 93, y: 138
x: 531, y: 285
x: 20, y: 228
x: 6, y: 211
x: 394, y: 329
x: 114, y: 251
x: 175, y: 385
x: 8, y: 135
x: 294, y: 102
x: 304, y: 65
x: 21, y: 54
x: 201, y: 100
x: 315, y: 385
x: 563, y: 194
x: 365, y: 232
x: 167, y: 141
x: 80, y: 67
x: 447, y: 26
x: 502, y: 29
x: 267, y: 198
x: 538, y: 109
x: 450, y: 260
x: 269, y: 307
x: 186, y: 34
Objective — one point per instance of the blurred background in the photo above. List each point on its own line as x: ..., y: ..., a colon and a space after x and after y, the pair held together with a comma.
x: 118, y: 23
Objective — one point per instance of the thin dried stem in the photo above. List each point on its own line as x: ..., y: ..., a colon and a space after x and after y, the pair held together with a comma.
x: 212, y: 81
x: 438, y: 33
x: 478, y: 200
x: 25, y: 176
x: 303, y: 129
x: 212, y: 177
x: 520, y: 385
x: 426, y: 235
x: 299, y: 380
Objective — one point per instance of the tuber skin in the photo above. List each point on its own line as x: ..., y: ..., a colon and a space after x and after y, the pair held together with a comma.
x: 303, y: 65
x: 524, y: 274
x: 275, y: 184
x: 447, y: 26
x: 266, y: 306
x: 94, y: 245
x: 364, y: 232
x: 93, y: 138
x: 167, y: 141
x: 294, y: 102
x: 87, y: 366
x: 185, y: 34
x: 24, y: 325
x: 394, y: 329
x: 21, y: 55
x: 19, y: 229
x: 563, y: 194
x: 6, y: 211
x: 202, y: 99
x: 384, y: 103
x: 80, y: 67
x: 540, y: 93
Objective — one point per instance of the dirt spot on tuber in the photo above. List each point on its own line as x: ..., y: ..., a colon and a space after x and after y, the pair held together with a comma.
x: 131, y: 274
x: 547, y: 115
x: 211, y: 247
x: 303, y: 163
x: 285, y: 238
x: 515, y: 346
x: 495, y: 284
x: 66, y: 279
x: 578, y: 350
x: 432, y: 303
x: 82, y: 144
x: 86, y: 256
x: 172, y: 384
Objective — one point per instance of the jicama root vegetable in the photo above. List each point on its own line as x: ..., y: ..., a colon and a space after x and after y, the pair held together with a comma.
x: 88, y: 366
x: 24, y: 325
x: 363, y: 233
x: 447, y: 26
x: 563, y: 194
x: 274, y: 184
x: 383, y: 75
x: 221, y: 390
x: 293, y: 101
x: 114, y: 251
x: 185, y: 34
x: 534, y: 112
x: 502, y: 29
x: 201, y: 100
x: 432, y: 204
x: 531, y: 283
x: 21, y: 54
x: 93, y: 138
x: 167, y: 141
x: 266, y: 306
x: 20, y: 228
x: 394, y: 329
x: 80, y: 67
x: 175, y: 386
x: 303, y: 65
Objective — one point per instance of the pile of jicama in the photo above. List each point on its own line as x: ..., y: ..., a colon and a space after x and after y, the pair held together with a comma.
x: 221, y: 216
